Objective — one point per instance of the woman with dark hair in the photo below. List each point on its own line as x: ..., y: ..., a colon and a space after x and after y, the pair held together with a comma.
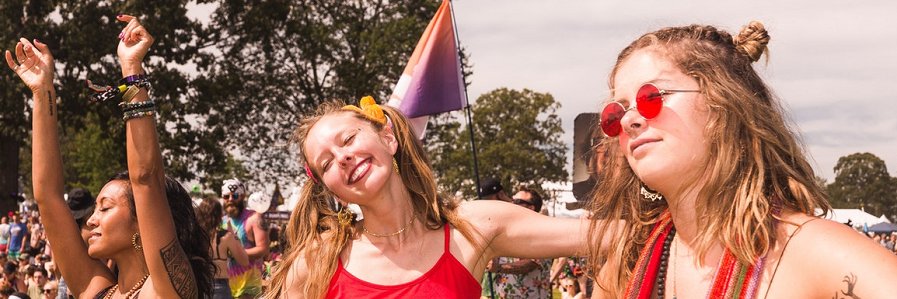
x: 224, y: 245
x: 717, y: 197
x: 143, y: 221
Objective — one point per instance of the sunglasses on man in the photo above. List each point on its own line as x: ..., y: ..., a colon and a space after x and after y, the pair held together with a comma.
x: 648, y: 103
x: 518, y: 201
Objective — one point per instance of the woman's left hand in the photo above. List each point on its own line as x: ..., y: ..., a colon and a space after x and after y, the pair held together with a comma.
x: 135, y: 42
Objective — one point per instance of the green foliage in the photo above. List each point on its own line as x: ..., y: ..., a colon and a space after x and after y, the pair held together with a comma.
x: 82, y: 37
x: 862, y: 181
x: 517, y: 137
x: 275, y: 61
x: 91, y: 156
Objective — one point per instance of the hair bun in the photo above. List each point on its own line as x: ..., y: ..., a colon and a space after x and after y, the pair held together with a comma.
x: 752, y: 40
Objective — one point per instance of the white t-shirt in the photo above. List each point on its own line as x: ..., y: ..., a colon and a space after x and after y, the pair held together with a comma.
x: 4, y: 233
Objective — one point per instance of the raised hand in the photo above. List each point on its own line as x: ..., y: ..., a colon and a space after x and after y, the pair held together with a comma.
x: 135, y: 42
x: 33, y: 63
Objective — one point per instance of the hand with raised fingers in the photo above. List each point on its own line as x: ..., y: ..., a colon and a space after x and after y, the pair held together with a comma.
x: 134, y: 44
x: 33, y: 63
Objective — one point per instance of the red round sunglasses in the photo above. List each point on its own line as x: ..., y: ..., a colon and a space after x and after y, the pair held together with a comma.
x: 648, y: 103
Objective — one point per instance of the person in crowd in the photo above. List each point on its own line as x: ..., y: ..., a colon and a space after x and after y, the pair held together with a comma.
x: 36, y: 279
x: 12, y: 276
x: 4, y: 235
x: 491, y: 189
x: 144, y: 221
x: 50, y: 290
x: 18, y: 231
x: 570, y: 289
x: 573, y: 268
x: 81, y: 203
x: 247, y: 225
x: 522, y: 277
x: 412, y: 241
x: 224, y: 246
x: 716, y: 195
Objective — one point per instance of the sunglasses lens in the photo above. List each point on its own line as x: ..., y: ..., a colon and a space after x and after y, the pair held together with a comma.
x: 649, y: 101
x: 610, y: 119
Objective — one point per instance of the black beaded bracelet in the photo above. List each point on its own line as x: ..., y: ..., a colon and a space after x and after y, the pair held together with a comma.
x: 138, y: 113
x: 126, y: 107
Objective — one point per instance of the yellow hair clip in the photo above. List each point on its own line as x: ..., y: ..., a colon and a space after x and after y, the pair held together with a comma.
x: 369, y: 109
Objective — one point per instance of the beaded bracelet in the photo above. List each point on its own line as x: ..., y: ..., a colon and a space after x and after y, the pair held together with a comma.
x: 125, y: 107
x: 132, y: 79
x: 138, y: 113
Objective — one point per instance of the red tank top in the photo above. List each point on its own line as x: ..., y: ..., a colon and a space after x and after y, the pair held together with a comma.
x: 447, y: 279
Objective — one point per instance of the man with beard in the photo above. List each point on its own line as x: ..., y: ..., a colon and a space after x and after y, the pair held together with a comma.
x: 245, y: 282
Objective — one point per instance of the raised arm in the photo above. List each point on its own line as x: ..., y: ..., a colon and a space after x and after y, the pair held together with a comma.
x: 34, y: 65
x: 235, y: 249
x: 167, y: 263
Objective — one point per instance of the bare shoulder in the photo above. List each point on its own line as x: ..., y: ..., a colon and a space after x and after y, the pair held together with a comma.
x: 841, y: 259
x: 296, y: 277
x: 482, y: 214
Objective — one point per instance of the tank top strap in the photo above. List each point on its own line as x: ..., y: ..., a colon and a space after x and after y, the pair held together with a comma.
x: 448, y: 234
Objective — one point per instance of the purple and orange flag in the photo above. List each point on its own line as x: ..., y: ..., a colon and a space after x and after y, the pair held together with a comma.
x: 432, y: 81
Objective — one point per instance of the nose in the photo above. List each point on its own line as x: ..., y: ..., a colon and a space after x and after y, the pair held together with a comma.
x: 344, y: 157
x: 632, y: 121
x: 92, y: 222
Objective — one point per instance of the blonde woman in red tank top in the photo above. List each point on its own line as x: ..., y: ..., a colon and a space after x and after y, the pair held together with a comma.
x: 412, y: 242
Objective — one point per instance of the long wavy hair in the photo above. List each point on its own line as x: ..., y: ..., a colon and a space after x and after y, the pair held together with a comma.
x: 756, y: 165
x: 194, y: 240
x: 314, y: 232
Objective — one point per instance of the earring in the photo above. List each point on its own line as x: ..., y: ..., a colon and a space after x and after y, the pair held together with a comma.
x: 395, y: 166
x: 345, y: 216
x: 135, y: 241
x: 650, y: 194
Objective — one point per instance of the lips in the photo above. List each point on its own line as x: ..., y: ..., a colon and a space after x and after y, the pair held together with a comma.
x: 359, y: 171
x: 93, y: 236
x: 639, y: 142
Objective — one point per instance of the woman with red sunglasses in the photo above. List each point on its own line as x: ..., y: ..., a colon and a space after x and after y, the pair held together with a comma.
x: 717, y: 195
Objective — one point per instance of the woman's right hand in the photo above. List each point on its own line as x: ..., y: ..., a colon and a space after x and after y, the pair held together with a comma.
x: 33, y: 63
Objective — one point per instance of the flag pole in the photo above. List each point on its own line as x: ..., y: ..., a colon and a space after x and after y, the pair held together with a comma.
x: 473, y: 144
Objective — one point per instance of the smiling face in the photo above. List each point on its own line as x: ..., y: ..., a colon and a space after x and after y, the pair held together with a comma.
x: 671, y: 146
x: 350, y: 156
x: 111, y: 225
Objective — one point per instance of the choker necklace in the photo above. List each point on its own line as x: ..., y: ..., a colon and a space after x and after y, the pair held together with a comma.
x: 130, y: 293
x: 366, y: 231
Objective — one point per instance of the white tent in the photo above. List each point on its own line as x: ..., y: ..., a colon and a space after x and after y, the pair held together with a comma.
x: 559, y: 194
x: 857, y: 217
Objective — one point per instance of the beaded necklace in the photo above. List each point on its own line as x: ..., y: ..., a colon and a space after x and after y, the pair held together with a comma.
x: 733, y: 279
x: 130, y: 293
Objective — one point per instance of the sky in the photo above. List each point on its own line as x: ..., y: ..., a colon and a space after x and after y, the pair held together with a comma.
x: 831, y: 62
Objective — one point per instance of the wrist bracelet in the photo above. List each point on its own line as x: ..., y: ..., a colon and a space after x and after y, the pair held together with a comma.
x: 138, y: 113
x: 132, y: 79
x: 125, y: 107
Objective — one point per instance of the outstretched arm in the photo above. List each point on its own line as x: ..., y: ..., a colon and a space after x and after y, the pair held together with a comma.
x: 34, y: 65
x: 514, y: 231
x: 167, y: 263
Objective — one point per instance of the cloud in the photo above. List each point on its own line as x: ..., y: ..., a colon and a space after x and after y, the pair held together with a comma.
x: 831, y: 62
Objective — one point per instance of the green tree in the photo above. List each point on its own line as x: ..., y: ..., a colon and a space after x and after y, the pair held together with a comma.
x: 862, y: 181
x: 275, y: 61
x: 81, y: 35
x: 517, y: 136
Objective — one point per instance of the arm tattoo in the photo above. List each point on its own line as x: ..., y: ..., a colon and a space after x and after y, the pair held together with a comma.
x: 179, y: 270
x: 851, y: 281
x: 50, y: 102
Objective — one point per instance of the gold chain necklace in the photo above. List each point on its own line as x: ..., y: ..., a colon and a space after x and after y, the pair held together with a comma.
x: 366, y: 231
x: 130, y: 293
